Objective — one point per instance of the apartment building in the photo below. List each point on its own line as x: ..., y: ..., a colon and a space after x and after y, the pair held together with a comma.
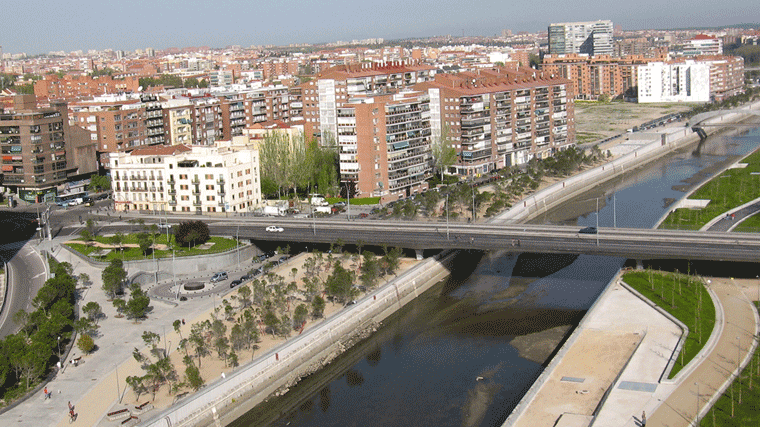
x: 76, y: 87
x: 232, y: 109
x: 220, y: 179
x: 703, y: 44
x: 594, y: 76
x: 121, y: 123
x: 40, y: 150
x: 206, y: 119
x: 384, y: 144
x: 178, y: 119
x: 726, y: 75
x: 331, y: 88
x: 687, y: 81
x: 592, y: 38
x: 495, y: 118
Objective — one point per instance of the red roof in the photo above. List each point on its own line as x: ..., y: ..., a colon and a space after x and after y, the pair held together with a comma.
x: 704, y: 37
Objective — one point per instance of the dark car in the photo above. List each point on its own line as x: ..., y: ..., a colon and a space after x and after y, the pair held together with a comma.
x: 235, y: 282
x: 588, y: 230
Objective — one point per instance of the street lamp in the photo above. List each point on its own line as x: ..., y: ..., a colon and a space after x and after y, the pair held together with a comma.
x: 447, y: 216
x: 118, y: 393
x: 597, y: 221
x: 696, y: 418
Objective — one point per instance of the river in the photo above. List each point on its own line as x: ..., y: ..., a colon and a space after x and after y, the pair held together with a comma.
x: 465, y: 352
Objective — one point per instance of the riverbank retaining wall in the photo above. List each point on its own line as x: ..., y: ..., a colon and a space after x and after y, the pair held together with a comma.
x: 295, y: 358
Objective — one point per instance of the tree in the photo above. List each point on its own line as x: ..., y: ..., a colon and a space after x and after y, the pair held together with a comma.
x: 120, y: 306
x: 117, y: 240
x: 99, y: 183
x: 370, y: 270
x: 192, y: 374
x: 92, y: 310
x: 272, y: 321
x: 85, y: 343
x: 31, y: 364
x: 443, y: 151
x: 222, y: 345
x: 145, y: 242
x: 113, y: 276
x: 391, y: 260
x: 138, y: 303
x: 192, y: 233
x: 197, y: 341
x: 138, y: 385
x: 299, y: 316
x: 339, y: 283
x: 317, y: 307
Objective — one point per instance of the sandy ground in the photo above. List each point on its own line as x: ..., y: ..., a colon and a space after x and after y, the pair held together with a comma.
x: 581, y: 362
x: 598, y: 120
x: 212, y: 366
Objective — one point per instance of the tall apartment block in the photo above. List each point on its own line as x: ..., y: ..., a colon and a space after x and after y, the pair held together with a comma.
x: 384, y: 144
x: 40, y: 150
x: 215, y: 179
x: 321, y: 97
x: 686, y: 81
x: 495, y: 118
x: 121, y: 123
x: 593, y: 38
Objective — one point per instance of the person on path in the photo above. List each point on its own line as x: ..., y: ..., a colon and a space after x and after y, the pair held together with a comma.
x: 643, y: 419
x: 71, y: 407
x: 46, y: 393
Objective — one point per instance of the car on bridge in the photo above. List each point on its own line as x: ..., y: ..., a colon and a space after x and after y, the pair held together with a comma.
x: 275, y: 229
x: 588, y: 230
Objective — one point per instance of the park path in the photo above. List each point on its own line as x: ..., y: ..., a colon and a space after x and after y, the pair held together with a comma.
x: 706, y: 382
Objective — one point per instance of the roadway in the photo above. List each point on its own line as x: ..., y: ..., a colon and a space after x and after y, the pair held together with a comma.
x: 26, y: 275
x: 621, y: 242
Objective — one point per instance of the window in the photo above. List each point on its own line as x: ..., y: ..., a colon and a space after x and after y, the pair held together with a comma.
x: 184, y: 187
x: 182, y: 176
x: 209, y: 176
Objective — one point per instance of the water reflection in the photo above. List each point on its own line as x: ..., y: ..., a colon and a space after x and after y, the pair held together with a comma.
x: 464, y: 353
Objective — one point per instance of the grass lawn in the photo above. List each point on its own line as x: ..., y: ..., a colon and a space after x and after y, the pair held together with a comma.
x: 746, y: 390
x: 354, y: 201
x: 750, y: 225
x: 220, y: 244
x: 726, y: 191
x: 679, y: 295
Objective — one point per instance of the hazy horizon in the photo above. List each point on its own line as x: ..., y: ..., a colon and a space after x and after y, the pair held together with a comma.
x: 38, y: 27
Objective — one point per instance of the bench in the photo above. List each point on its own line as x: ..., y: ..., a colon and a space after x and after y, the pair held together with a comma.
x: 132, y: 420
x: 139, y: 409
x: 117, y: 415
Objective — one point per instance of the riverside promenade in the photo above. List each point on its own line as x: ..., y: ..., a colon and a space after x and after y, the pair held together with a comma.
x: 569, y: 394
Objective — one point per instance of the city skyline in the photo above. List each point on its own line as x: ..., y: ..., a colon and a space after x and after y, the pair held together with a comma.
x: 87, y: 25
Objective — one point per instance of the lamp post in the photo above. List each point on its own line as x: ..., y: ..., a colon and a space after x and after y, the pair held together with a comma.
x: 597, y: 221
x: 696, y: 418
x: 237, y: 240
x: 614, y: 210
x: 348, y: 197
x: 447, y: 216
x: 118, y: 393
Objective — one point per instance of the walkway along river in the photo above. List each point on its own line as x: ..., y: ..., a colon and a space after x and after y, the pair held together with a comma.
x: 465, y: 352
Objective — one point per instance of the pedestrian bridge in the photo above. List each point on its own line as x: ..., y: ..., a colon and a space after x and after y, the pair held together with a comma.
x: 699, y: 121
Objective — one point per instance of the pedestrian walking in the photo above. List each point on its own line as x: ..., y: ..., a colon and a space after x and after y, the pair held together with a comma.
x: 71, y: 407
x: 46, y: 393
x: 643, y: 419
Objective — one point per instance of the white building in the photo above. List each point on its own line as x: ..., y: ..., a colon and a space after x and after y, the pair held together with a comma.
x: 703, y: 45
x: 593, y: 38
x: 202, y: 179
x: 687, y: 81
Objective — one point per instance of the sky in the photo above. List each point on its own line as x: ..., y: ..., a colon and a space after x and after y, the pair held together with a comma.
x: 42, y: 26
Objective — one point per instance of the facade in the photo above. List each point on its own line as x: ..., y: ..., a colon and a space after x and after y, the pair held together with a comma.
x: 686, y: 81
x: 214, y: 179
x: 593, y: 38
x: 496, y: 118
x: 40, y: 150
x: 703, y: 45
x: 207, y: 119
x: 384, y: 144
x: 74, y: 87
x: 726, y: 75
x: 594, y: 76
x: 178, y: 119
x: 121, y: 123
x: 320, y: 98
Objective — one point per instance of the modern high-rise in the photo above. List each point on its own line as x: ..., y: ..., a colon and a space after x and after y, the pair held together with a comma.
x: 593, y: 38
x: 686, y: 81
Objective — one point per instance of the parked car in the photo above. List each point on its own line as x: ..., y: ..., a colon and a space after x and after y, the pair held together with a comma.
x: 363, y: 215
x: 340, y: 204
x: 588, y: 230
x: 352, y: 302
x: 275, y: 229
x: 218, y: 277
x: 235, y: 282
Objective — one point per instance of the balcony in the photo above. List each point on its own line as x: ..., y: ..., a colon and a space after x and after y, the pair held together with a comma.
x: 220, y: 191
x: 196, y: 181
x: 172, y: 202
x: 171, y: 181
x: 197, y: 203
x: 196, y: 192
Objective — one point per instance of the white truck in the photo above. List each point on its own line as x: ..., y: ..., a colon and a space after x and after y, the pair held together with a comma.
x: 324, y: 209
x: 275, y: 210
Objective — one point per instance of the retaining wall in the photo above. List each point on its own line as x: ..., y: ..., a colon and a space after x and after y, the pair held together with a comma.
x: 292, y: 359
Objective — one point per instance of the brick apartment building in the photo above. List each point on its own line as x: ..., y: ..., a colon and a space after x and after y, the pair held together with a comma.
x: 595, y: 76
x: 77, y: 87
x: 331, y: 88
x: 384, y: 144
x: 40, y: 150
x: 496, y: 118
x: 121, y: 123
